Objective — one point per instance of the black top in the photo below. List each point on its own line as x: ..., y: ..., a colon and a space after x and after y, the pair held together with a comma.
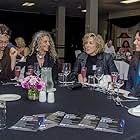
x: 48, y: 62
x: 91, y: 60
x: 104, y: 60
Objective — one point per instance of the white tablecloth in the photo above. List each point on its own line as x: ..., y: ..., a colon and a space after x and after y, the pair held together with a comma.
x: 123, y: 68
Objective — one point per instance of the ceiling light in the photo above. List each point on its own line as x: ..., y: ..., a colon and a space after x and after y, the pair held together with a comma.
x: 84, y: 10
x: 28, y: 4
x: 129, y: 1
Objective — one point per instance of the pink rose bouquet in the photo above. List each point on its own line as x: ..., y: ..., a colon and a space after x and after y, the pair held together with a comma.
x: 33, y: 84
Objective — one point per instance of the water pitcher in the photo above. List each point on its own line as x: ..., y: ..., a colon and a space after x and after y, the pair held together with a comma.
x: 46, y: 75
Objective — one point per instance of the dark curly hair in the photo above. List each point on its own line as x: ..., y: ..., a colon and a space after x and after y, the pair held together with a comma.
x: 5, y: 30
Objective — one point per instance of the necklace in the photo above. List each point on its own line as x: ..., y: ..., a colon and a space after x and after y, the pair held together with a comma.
x: 40, y: 56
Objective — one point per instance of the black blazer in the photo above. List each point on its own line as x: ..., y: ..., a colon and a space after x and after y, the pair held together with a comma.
x: 49, y: 62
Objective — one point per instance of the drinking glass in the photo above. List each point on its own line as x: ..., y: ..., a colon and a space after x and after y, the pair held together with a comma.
x: 17, y: 74
x: 114, y: 77
x: 84, y: 72
x: 112, y: 85
x: 66, y: 69
x: 119, y: 83
x: 37, y: 70
x: 60, y: 79
x: 91, y: 82
x: 99, y: 74
x: 2, y: 114
x: 29, y: 70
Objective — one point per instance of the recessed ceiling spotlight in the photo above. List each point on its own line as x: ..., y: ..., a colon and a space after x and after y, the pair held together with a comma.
x: 28, y: 4
x: 129, y: 1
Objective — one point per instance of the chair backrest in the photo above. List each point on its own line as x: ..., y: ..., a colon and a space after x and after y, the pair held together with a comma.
x: 77, y: 52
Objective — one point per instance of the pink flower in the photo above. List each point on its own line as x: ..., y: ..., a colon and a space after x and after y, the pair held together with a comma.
x: 33, y: 82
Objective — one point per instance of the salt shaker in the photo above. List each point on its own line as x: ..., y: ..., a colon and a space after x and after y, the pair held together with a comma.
x: 42, y: 96
x: 51, y: 98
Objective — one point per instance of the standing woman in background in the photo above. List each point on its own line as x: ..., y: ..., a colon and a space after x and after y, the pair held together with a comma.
x: 7, y: 55
x: 22, y: 49
x: 43, y: 52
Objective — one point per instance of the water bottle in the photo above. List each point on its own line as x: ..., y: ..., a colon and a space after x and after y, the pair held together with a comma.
x: 49, y: 82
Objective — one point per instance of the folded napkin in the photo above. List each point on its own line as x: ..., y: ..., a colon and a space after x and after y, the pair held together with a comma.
x: 104, y: 81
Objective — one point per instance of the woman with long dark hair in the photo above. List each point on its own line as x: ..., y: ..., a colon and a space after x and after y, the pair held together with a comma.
x: 133, y: 83
x: 7, y: 54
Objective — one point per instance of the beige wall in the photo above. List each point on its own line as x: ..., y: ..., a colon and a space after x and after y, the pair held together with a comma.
x: 124, y: 13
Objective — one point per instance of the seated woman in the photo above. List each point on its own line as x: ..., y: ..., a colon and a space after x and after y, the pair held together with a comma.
x: 133, y: 83
x: 43, y: 52
x: 93, y: 55
x: 7, y: 55
x: 126, y: 50
x: 22, y: 50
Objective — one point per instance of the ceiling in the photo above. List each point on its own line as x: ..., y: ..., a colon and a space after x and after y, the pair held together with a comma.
x: 73, y: 7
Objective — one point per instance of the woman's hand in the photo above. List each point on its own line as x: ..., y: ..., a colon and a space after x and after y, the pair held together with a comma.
x: 13, y: 52
x: 13, y: 55
x: 81, y: 79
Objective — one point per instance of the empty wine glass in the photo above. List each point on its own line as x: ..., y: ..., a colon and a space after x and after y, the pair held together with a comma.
x: 17, y: 74
x: 37, y: 70
x: 66, y: 69
x: 99, y: 74
x: 29, y: 70
x: 119, y: 83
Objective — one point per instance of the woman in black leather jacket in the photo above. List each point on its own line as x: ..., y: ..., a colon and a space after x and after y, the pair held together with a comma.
x: 93, y: 56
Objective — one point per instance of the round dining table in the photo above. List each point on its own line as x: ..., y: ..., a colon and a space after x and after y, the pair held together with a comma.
x: 82, y: 100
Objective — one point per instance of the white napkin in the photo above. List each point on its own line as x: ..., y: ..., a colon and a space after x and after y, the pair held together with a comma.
x: 104, y: 81
x: 125, y: 94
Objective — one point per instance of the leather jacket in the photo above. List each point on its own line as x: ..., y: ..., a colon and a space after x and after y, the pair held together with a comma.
x: 104, y: 60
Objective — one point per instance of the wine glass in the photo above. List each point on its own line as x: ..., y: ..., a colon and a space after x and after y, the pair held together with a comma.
x: 112, y: 85
x: 99, y: 74
x: 84, y: 71
x: 119, y: 83
x: 29, y: 70
x: 66, y: 69
x: 36, y: 68
x: 17, y: 74
x: 114, y: 77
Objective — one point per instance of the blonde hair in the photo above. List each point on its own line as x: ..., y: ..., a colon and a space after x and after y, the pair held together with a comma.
x: 35, y: 44
x: 20, y: 42
x: 98, y: 39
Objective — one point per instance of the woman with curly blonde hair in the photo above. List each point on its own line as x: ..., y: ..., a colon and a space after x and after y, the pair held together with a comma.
x: 42, y: 51
x: 92, y: 57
